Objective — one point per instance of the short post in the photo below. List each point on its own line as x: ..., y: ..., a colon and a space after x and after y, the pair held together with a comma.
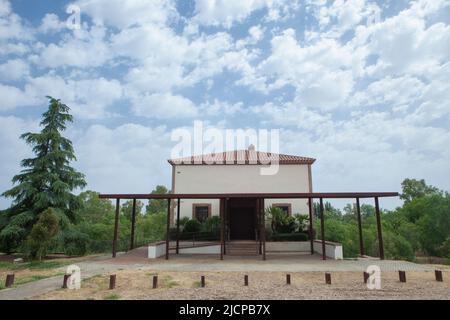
x: 438, y: 275
x: 155, y: 282
x: 246, y: 280
x: 202, y: 281
x: 402, y: 276
x: 327, y: 278
x: 65, y: 279
x: 288, y: 279
x: 112, y: 282
x: 366, y: 277
x: 9, y: 280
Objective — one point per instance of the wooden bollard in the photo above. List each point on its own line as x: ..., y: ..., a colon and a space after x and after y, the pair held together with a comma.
x: 365, y: 277
x: 65, y: 279
x: 112, y: 282
x: 402, y: 276
x: 246, y: 280
x: 155, y: 282
x: 9, y: 280
x: 327, y: 278
x: 202, y: 281
x: 438, y: 275
x: 288, y: 279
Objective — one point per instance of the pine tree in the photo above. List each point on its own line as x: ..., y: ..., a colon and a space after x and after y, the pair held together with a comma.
x: 46, y: 181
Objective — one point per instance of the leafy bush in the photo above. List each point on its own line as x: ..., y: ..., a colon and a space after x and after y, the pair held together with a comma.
x: 211, y: 224
x: 41, y: 235
x: 75, y: 243
x: 192, y: 226
x: 298, y: 236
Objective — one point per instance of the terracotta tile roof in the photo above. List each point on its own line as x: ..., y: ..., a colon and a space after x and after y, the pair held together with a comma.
x: 241, y: 157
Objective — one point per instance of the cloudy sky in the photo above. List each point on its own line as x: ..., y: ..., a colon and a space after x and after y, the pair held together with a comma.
x: 362, y: 86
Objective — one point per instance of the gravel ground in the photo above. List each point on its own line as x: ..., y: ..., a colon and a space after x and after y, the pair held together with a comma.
x: 136, y: 284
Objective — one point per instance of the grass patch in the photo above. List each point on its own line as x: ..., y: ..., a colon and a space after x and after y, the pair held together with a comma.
x: 169, y: 282
x: 197, y: 284
x: 35, y: 278
x: 34, y: 265
x: 111, y: 297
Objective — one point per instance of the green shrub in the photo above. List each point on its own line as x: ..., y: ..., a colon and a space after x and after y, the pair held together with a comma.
x: 40, y: 237
x: 211, y: 224
x: 298, y: 236
x: 192, y: 226
x: 75, y: 243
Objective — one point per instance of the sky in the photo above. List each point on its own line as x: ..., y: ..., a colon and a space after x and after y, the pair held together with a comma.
x: 362, y: 86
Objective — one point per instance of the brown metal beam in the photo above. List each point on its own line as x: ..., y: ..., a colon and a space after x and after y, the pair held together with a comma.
x: 311, y: 228
x: 178, y: 226
x: 380, y: 233
x: 322, y: 229
x: 116, y: 228
x: 133, y: 225
x: 168, y: 229
x: 325, y: 195
x: 358, y: 214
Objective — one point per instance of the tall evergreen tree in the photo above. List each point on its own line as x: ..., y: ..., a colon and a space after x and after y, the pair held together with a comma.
x: 46, y: 181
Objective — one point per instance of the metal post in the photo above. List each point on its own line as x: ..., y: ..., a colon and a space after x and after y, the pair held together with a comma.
x: 225, y: 210
x: 258, y: 213
x: 263, y: 230
x: 116, y: 228
x: 380, y: 233
x: 168, y: 229
x: 222, y: 225
x: 358, y: 214
x: 311, y: 228
x: 133, y: 225
x: 322, y: 229
x: 178, y: 226
x: 112, y: 282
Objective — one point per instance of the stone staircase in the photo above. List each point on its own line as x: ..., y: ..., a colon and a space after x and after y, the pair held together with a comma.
x: 242, y: 248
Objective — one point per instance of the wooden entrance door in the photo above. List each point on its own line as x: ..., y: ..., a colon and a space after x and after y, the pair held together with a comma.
x: 242, y: 219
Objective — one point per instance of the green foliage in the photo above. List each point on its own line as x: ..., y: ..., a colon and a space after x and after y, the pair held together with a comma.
x: 280, y: 222
x: 157, y: 205
x: 183, y: 221
x: 413, y: 189
x: 192, y: 225
x: 297, y: 236
x: 46, y: 181
x: 75, y: 243
x: 127, y: 208
x: 302, y: 222
x: 210, y: 224
x: 39, y: 239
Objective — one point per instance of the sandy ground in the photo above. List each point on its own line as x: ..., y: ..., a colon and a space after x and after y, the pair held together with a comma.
x: 137, y: 284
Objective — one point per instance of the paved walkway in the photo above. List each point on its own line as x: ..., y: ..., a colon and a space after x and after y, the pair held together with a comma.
x: 275, y: 262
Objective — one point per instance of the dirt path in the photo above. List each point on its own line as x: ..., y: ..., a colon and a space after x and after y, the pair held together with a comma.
x: 137, y: 284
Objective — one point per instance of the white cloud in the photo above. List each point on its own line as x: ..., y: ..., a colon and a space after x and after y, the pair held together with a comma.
x: 13, y: 97
x: 128, y: 158
x: 226, y: 12
x: 163, y: 106
x: 11, y: 25
x: 51, y: 23
x: 85, y: 48
x: 123, y: 14
x: 14, y: 69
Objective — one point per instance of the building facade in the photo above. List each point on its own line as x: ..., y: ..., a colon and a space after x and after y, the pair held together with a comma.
x: 241, y: 171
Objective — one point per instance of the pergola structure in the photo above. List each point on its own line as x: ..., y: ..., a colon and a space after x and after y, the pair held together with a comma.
x: 260, y: 214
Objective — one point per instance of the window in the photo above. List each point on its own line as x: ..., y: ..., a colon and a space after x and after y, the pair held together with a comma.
x: 286, y: 207
x: 201, y: 212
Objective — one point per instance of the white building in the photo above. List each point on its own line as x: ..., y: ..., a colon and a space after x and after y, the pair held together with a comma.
x: 235, y: 172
